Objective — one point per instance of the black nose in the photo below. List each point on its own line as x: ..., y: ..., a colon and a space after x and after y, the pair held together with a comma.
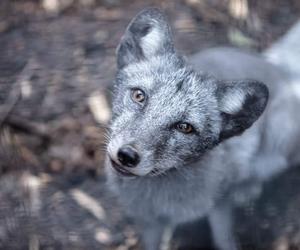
x: 128, y: 156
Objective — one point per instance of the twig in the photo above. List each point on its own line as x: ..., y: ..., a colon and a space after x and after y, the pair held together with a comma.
x: 15, y: 94
x: 28, y: 127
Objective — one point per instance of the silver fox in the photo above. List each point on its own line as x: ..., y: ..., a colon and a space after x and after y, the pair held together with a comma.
x: 193, y: 138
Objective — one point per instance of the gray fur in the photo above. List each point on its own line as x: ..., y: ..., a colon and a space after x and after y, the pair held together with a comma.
x: 182, y: 177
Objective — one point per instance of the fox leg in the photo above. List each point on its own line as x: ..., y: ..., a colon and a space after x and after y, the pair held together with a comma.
x: 156, y: 236
x: 221, y: 223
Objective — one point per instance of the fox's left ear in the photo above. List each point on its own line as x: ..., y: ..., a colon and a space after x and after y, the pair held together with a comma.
x: 240, y: 104
x: 148, y: 34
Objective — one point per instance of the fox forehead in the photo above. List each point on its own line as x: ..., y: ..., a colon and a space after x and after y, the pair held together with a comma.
x: 159, y: 69
x: 168, y: 70
x: 175, y: 93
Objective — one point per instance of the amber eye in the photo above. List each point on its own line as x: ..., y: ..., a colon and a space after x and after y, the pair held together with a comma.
x: 185, y: 128
x: 138, y: 95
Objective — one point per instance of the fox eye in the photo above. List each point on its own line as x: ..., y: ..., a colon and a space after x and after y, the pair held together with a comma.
x: 185, y: 128
x: 138, y: 95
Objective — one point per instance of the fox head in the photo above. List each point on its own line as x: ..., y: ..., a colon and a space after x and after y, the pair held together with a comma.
x: 166, y: 115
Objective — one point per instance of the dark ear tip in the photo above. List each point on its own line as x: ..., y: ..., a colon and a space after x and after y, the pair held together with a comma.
x: 262, y: 91
x: 262, y: 87
x: 150, y: 14
x: 151, y: 11
x: 145, y: 20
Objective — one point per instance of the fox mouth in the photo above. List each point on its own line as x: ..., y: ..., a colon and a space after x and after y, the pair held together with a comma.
x: 156, y: 172
x: 120, y: 169
x: 159, y: 172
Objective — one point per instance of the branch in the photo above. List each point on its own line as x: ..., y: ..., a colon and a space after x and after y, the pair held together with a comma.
x: 15, y: 94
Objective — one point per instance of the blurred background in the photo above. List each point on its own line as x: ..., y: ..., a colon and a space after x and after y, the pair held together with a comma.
x: 57, y: 63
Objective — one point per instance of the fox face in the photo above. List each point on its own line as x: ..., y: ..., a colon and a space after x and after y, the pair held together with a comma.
x: 166, y: 115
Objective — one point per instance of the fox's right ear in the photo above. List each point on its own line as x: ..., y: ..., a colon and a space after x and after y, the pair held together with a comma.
x: 241, y: 103
x: 147, y: 35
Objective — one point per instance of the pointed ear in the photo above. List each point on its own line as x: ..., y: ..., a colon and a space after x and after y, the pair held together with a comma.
x: 240, y: 104
x: 148, y: 34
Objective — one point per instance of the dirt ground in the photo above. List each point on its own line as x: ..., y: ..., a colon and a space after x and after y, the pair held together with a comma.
x: 57, y: 62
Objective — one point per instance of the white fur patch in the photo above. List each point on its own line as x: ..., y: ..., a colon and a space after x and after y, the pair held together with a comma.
x: 232, y: 102
x: 295, y: 87
x: 151, y: 42
x: 114, y: 146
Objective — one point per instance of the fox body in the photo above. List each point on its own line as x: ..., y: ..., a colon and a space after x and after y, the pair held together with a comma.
x: 193, y: 138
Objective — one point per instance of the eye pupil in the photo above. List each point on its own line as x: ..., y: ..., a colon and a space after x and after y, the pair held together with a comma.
x: 185, y: 128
